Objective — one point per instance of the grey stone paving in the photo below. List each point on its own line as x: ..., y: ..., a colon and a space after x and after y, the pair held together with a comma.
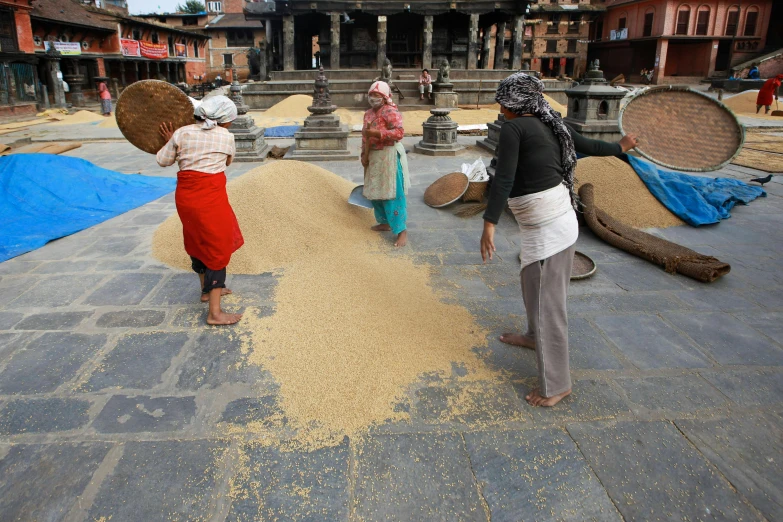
x: 113, y: 391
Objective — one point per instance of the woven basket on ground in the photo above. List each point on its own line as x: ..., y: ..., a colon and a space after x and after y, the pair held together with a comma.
x: 671, y: 256
x: 446, y: 190
x: 144, y: 105
x: 682, y: 129
x: 475, y: 192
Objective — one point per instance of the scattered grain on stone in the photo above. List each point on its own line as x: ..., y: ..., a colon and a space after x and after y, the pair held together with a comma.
x: 292, y: 107
x: 622, y: 194
x: 354, y: 326
x: 79, y: 117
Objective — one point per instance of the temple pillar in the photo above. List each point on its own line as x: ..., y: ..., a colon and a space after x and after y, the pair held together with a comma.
x: 381, y: 58
x: 473, y: 41
x: 500, y: 46
x: 486, y: 48
x: 334, y: 50
x: 289, y: 62
x: 123, y: 81
x: 516, y: 42
x: 426, y: 57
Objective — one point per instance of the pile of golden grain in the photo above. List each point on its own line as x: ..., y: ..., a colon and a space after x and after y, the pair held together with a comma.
x: 354, y: 327
x: 622, y: 194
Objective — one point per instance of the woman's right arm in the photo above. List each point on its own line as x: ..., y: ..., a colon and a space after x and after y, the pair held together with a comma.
x: 505, y: 172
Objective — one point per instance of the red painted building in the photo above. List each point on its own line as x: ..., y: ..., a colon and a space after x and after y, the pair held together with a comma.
x: 683, y: 41
x: 18, y: 75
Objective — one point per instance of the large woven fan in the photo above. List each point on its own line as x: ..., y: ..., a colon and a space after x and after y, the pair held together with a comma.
x: 144, y: 105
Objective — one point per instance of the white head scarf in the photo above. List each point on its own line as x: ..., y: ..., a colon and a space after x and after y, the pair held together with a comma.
x: 214, y: 110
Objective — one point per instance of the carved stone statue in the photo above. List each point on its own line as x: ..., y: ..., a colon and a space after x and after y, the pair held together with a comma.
x: 254, y: 57
x: 386, y: 72
x: 443, y: 72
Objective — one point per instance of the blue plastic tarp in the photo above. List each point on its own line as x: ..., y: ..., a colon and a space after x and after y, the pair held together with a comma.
x: 696, y: 200
x: 45, y: 197
x: 282, y: 131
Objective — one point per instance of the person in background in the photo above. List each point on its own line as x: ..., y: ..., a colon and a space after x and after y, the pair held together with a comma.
x: 768, y: 91
x: 425, y: 83
x: 105, y: 96
x: 209, y: 225
x: 754, y: 74
x: 386, y: 178
x: 535, y: 177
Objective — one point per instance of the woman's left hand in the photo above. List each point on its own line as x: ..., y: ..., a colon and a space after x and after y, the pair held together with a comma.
x: 371, y: 133
x: 487, y: 241
x: 166, y: 131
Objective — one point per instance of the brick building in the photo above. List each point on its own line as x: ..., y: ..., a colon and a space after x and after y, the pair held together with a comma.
x: 557, y: 34
x: 682, y: 41
x: 17, y: 59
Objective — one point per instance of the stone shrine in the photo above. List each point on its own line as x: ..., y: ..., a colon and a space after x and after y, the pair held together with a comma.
x: 249, y: 139
x: 439, y: 136
x: 594, y: 106
x: 322, y: 137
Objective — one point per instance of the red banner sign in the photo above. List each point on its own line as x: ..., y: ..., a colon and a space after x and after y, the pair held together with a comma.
x: 130, y: 47
x: 154, y: 51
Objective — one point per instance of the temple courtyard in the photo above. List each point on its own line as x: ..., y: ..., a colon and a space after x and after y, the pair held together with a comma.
x: 118, y: 403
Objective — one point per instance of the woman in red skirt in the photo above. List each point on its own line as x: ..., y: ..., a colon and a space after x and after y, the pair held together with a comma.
x: 767, y: 92
x: 203, y: 151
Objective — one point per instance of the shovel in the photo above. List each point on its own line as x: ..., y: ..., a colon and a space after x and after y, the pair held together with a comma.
x: 776, y: 112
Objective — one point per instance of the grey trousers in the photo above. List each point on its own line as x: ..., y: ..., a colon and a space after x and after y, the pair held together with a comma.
x: 545, y: 291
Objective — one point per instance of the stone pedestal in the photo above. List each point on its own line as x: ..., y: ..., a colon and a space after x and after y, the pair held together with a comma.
x: 75, y: 87
x: 439, y: 136
x: 249, y: 139
x: 594, y: 107
x: 322, y: 137
x: 444, y: 96
x: 490, y: 143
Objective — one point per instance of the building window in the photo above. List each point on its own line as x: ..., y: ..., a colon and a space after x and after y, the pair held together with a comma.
x: 239, y: 38
x: 215, y: 7
x: 136, y: 34
x: 162, y: 19
x: 683, y: 19
x: 599, y: 30
x: 7, y: 30
x: 171, y: 46
x: 750, y: 22
x: 621, y: 23
x: 552, y: 1
x: 154, y: 38
x: 648, y: 24
x: 571, y: 46
x: 190, y: 20
x: 551, y: 46
x: 703, y: 21
x: 732, y: 21
x: 573, y: 23
x: 228, y: 59
x: 555, y: 27
x: 527, y: 46
x: 195, y: 49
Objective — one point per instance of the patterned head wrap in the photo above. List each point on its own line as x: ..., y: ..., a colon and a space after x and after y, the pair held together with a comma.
x: 524, y: 94
x: 384, y: 90
x: 214, y: 110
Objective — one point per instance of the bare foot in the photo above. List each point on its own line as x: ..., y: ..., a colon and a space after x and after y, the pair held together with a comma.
x: 381, y: 228
x: 223, y: 318
x: 534, y: 398
x: 518, y: 340
x: 402, y: 239
x: 223, y: 291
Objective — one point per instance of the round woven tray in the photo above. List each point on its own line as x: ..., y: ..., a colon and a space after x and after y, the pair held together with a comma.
x: 446, y: 190
x: 144, y: 105
x: 583, y: 266
x: 682, y: 129
x: 475, y: 192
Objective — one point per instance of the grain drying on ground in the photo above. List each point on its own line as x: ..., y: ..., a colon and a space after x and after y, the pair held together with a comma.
x: 744, y: 104
x: 622, y: 194
x: 79, y: 117
x: 354, y: 326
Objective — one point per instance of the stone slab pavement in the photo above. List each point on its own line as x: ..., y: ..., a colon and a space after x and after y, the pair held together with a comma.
x: 112, y: 389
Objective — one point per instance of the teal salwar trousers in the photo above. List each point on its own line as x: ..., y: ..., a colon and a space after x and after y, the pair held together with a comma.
x: 393, y: 212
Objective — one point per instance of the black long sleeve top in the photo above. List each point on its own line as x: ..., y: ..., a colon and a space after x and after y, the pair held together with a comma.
x: 529, y: 161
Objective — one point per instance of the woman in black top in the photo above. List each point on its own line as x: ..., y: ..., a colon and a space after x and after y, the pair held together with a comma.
x: 535, y: 177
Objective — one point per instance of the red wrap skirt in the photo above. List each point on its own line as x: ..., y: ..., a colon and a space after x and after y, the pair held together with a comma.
x: 209, y: 225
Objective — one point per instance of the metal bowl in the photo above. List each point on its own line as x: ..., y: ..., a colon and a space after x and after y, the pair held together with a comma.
x: 583, y: 267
